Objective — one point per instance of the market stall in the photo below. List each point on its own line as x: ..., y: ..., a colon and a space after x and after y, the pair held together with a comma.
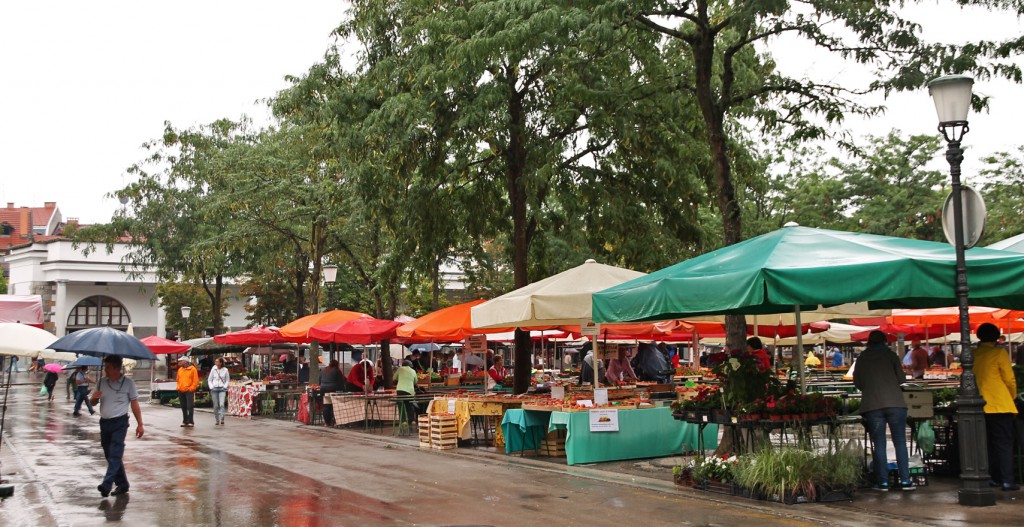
x: 605, y: 434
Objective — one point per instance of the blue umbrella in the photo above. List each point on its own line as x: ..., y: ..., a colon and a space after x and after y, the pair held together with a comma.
x: 100, y: 342
x: 424, y: 348
x: 85, y: 360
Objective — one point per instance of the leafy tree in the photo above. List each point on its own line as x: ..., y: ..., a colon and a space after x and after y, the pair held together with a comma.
x: 170, y: 221
x: 732, y: 75
x: 1002, y: 184
x: 3, y: 284
x: 519, y: 107
x: 891, y: 193
x: 174, y: 295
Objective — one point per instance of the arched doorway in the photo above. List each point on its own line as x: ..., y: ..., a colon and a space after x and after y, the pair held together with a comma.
x: 96, y: 311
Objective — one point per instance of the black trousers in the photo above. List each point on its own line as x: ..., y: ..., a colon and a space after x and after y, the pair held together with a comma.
x: 188, y: 405
x: 1001, y: 436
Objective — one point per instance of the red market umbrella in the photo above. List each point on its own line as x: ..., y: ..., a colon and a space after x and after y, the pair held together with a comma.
x: 363, y: 330
x: 257, y: 336
x: 162, y: 346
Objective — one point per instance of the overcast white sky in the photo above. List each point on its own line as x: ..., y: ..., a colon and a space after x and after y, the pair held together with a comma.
x: 86, y: 83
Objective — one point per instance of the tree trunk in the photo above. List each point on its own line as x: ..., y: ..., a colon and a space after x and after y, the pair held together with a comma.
x: 713, y: 113
x: 314, y: 362
x: 385, y: 364
x: 516, y: 158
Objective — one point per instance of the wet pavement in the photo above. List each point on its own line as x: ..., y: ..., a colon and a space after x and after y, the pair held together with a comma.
x: 267, y: 472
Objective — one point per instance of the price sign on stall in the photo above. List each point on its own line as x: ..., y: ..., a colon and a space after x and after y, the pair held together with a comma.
x: 475, y: 344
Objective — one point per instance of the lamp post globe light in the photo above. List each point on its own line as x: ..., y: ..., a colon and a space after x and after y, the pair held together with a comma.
x: 185, y: 312
x: 952, y: 97
x: 330, y: 275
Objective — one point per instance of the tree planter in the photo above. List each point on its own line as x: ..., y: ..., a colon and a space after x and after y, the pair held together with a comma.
x: 717, y: 487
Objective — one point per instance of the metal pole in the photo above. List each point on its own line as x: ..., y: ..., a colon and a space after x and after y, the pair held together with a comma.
x: 974, y: 476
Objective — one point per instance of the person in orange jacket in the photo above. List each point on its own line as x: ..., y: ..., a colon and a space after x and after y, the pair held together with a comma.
x: 188, y: 381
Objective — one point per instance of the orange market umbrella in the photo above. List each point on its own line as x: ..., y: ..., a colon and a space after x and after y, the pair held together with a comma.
x: 450, y: 324
x: 297, y: 331
x: 363, y: 330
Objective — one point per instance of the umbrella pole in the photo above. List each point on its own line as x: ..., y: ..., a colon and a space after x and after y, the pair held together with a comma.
x: 800, y: 352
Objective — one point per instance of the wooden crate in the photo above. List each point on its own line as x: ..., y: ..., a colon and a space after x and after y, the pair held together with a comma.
x: 553, y: 444
x: 444, y: 432
x: 423, y: 428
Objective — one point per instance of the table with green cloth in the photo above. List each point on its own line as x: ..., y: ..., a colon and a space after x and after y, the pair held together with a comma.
x: 643, y: 433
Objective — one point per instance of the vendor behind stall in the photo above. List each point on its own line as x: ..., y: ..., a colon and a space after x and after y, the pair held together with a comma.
x: 360, y: 377
x: 619, y: 369
x: 496, y: 373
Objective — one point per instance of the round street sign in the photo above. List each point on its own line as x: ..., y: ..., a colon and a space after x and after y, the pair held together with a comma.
x: 974, y: 217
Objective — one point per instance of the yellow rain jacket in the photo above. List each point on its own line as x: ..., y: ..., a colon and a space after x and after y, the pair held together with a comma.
x: 995, y: 378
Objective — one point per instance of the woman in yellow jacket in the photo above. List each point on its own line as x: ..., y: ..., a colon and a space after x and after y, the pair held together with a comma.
x: 998, y: 387
x: 188, y: 381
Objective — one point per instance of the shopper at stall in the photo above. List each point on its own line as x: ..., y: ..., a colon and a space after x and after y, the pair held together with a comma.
x: 82, y: 382
x: 496, y: 373
x: 115, y: 394
x: 619, y: 369
x: 188, y: 381
x: 587, y: 367
x: 879, y: 375
x: 918, y: 359
x: 405, y: 385
x: 998, y: 387
x: 938, y: 357
x: 330, y: 377
x: 217, y: 381
x: 303, y: 375
x: 837, y: 358
x: 360, y: 377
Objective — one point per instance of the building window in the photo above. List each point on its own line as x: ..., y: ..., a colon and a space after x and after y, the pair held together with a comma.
x: 96, y: 311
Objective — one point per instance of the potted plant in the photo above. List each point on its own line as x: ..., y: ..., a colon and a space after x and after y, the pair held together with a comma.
x: 779, y: 474
x: 837, y: 474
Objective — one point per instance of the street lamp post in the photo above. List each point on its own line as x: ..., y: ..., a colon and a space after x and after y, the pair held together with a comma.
x: 185, y: 312
x: 330, y: 275
x: 952, y: 97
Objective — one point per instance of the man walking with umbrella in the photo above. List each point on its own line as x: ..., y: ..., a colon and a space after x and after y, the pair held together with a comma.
x: 115, y: 394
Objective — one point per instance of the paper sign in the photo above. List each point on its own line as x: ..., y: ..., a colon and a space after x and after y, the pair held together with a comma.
x: 601, y: 396
x: 586, y: 403
x: 475, y: 344
x: 558, y: 392
x: 590, y: 329
x: 604, y: 420
x: 451, y: 406
x: 606, y: 350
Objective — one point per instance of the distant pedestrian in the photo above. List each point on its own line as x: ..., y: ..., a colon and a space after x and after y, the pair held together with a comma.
x: 82, y: 382
x: 115, y: 394
x: 50, y: 382
x: 13, y: 366
x: 69, y: 386
x: 188, y: 381
x: 879, y: 375
x: 217, y: 381
x: 837, y: 358
x: 918, y: 359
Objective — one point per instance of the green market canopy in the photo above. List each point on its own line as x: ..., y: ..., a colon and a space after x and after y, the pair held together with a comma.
x: 799, y: 266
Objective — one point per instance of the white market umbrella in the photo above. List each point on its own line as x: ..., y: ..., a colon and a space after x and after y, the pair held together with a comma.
x: 63, y: 356
x: 561, y: 299
x: 21, y: 340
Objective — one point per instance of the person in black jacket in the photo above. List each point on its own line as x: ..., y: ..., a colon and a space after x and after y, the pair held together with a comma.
x: 50, y: 381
